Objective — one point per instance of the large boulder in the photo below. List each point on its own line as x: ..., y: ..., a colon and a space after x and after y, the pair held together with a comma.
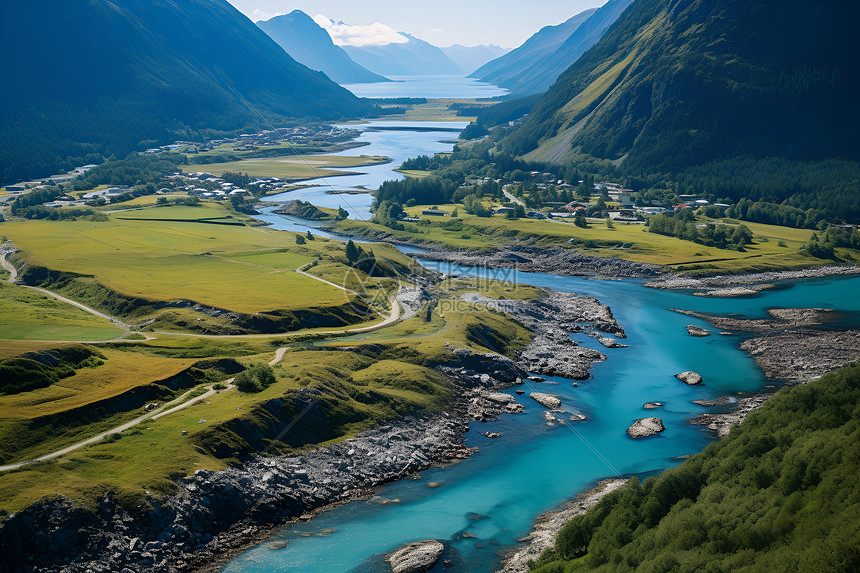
x: 547, y: 400
x: 644, y: 427
x: 500, y: 398
x: 689, y: 377
x: 698, y: 331
x: 417, y: 557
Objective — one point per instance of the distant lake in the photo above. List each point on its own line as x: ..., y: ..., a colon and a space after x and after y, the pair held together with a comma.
x: 431, y: 87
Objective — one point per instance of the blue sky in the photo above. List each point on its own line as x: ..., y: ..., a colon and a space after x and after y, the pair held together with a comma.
x: 442, y: 22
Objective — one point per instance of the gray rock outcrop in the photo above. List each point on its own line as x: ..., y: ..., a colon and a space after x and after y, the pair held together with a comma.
x: 644, y: 427
x: 546, y: 400
x: 690, y: 378
x: 416, y: 557
x: 697, y: 331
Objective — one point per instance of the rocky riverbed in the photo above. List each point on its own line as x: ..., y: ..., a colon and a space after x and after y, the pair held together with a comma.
x: 217, y: 514
x: 794, y: 346
x: 717, y: 285
x: 551, y: 320
x: 562, y: 261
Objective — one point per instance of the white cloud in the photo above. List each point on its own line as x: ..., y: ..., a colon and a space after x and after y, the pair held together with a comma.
x: 258, y: 15
x: 375, y: 34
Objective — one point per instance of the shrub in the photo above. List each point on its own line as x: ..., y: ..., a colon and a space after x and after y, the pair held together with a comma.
x: 255, y: 379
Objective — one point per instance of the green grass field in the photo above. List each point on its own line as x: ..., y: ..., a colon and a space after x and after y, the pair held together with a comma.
x: 29, y: 315
x: 626, y: 241
x: 360, y: 388
x: 122, y: 370
x: 291, y: 168
x: 160, y: 260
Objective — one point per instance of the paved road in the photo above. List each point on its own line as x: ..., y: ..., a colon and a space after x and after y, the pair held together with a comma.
x: 513, y: 199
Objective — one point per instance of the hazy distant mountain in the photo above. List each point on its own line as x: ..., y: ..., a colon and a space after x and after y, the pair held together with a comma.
x: 309, y: 44
x: 543, y: 43
x: 535, y: 65
x: 673, y: 85
x: 103, y: 76
x: 413, y: 58
x: 470, y: 58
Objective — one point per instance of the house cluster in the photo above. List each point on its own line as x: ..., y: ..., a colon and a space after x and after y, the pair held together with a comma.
x: 301, y: 134
x: 216, y: 187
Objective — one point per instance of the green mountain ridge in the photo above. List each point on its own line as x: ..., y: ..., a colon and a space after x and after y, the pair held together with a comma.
x: 102, y: 78
x: 680, y: 83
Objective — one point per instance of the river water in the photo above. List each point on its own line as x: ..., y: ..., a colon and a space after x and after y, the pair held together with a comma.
x: 533, y: 468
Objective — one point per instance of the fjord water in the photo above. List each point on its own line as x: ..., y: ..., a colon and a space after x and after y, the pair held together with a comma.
x: 533, y: 468
x: 431, y: 87
x: 398, y: 140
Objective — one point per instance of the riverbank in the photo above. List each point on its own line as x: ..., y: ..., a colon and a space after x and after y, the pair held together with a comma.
x: 547, y: 526
x: 217, y: 514
x: 794, y: 346
x: 720, y: 285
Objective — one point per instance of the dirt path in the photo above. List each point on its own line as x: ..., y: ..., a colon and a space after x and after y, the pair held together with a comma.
x: 393, y: 316
x: 301, y: 271
x: 13, y: 277
x: 179, y: 405
x: 154, y: 415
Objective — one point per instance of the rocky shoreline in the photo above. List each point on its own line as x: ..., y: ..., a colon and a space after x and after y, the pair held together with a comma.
x: 792, y: 347
x: 217, y: 514
x: 720, y: 285
x: 547, y: 526
x: 561, y: 261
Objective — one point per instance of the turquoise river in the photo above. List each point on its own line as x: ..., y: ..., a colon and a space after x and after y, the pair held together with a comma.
x: 534, y: 468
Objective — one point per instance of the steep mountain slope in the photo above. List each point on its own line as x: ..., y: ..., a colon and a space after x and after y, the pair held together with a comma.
x: 103, y: 77
x: 470, y: 58
x: 543, y: 73
x: 542, y: 44
x: 681, y: 83
x: 413, y: 58
x: 307, y: 43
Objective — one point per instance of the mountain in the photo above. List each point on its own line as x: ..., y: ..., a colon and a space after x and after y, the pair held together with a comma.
x: 682, y: 83
x: 542, y: 44
x: 104, y: 77
x: 307, y: 43
x: 413, y: 58
x: 544, y: 72
x: 470, y: 58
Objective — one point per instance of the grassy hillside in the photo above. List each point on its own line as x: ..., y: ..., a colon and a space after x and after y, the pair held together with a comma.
x: 361, y: 381
x: 773, y: 247
x: 780, y: 493
x: 693, y: 81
